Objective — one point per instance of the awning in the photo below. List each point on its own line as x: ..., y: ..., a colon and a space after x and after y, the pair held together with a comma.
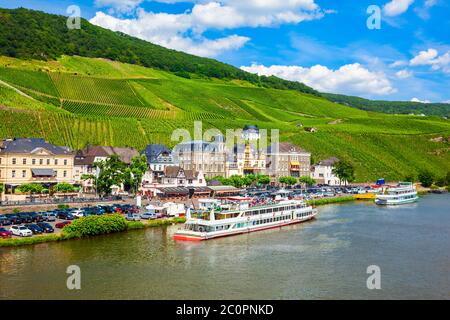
x: 43, y: 172
x: 295, y: 163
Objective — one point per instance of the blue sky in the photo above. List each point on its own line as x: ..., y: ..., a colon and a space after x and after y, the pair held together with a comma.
x: 323, y: 43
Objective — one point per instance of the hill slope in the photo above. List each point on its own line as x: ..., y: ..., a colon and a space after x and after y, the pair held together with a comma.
x: 75, y: 101
x: 392, y: 107
x: 30, y: 34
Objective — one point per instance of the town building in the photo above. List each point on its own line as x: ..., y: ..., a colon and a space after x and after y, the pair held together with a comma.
x: 245, y: 159
x: 159, y: 157
x: 251, y: 133
x: 323, y: 172
x: 287, y: 159
x: 34, y: 160
x: 204, y: 156
x: 85, y: 159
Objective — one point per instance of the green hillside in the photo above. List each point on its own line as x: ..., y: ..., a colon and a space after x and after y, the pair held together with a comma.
x: 392, y: 107
x: 75, y: 101
x: 29, y: 34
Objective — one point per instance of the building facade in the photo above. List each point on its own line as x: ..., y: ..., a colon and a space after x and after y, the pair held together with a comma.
x: 85, y: 159
x: 323, y: 172
x: 245, y: 159
x: 288, y: 160
x: 198, y: 155
x: 24, y: 161
x: 159, y: 157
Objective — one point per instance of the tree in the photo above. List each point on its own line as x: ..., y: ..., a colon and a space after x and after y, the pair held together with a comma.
x: 111, y: 173
x: 264, y: 180
x: 31, y: 188
x: 344, y: 171
x: 2, y: 188
x: 410, y: 178
x: 288, y: 180
x: 307, y: 180
x: 135, y: 172
x: 426, y: 178
x: 64, y: 188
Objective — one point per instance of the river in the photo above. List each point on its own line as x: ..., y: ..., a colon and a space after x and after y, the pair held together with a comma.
x: 323, y: 259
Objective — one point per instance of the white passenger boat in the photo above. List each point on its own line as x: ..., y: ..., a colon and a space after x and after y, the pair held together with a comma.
x: 404, y: 193
x: 237, y: 216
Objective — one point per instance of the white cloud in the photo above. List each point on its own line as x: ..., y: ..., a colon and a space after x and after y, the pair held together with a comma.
x: 396, y: 7
x: 185, y: 31
x: 168, y: 30
x: 398, y: 63
x: 420, y: 101
x: 432, y: 58
x: 430, y: 3
x: 403, y: 74
x: 348, y: 79
x: 123, y: 6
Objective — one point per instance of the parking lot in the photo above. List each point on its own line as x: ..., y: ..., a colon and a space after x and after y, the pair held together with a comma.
x: 53, y: 221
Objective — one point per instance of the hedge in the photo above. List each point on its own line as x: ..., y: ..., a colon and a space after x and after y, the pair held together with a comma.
x: 96, y: 225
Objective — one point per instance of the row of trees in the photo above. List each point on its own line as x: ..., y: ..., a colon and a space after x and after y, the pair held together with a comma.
x: 428, y: 179
x: 252, y: 180
x: 114, y: 172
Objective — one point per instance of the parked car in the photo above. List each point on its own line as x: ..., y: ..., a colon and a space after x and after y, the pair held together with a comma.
x: 148, y: 216
x: 26, y: 217
x: 5, y: 233
x: 133, y: 217
x: 78, y: 213
x: 4, y: 221
x: 65, y: 215
x: 46, y: 227
x: 34, y: 228
x: 21, y: 231
x: 62, y: 224
x: 37, y: 217
x: 49, y: 216
x: 14, y: 218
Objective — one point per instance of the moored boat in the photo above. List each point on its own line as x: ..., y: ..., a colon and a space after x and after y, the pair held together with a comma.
x: 236, y: 217
x: 404, y: 193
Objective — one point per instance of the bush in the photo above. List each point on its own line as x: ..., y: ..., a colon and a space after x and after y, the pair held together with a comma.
x: 426, y: 178
x: 63, y: 206
x: 325, y: 201
x: 96, y: 225
x: 133, y: 225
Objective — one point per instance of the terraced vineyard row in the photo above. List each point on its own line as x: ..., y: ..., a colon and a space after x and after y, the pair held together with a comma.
x: 88, y: 89
x: 101, y: 110
x: 34, y: 80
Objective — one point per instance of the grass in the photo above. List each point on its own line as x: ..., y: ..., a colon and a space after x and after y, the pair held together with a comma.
x: 95, y: 101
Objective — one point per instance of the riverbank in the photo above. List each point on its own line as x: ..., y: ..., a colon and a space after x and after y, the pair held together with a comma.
x: 131, y: 225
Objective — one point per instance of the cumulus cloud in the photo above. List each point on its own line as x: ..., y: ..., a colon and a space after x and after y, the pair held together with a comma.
x: 348, y: 79
x: 122, y: 6
x: 168, y: 30
x: 403, y: 74
x: 185, y: 31
x: 420, y: 101
x: 432, y: 58
x: 396, y: 7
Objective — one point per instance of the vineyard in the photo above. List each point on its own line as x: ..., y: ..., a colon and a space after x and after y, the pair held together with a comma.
x: 78, y: 101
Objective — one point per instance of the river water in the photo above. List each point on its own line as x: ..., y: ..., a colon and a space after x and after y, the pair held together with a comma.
x: 323, y: 259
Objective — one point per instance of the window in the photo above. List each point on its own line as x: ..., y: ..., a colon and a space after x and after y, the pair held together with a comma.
x: 65, y: 174
x: 24, y: 174
x: 56, y: 162
x: 33, y: 161
x: 41, y: 161
x: 24, y: 161
x: 14, y: 160
x: 13, y: 173
x: 65, y: 162
x: 48, y: 162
